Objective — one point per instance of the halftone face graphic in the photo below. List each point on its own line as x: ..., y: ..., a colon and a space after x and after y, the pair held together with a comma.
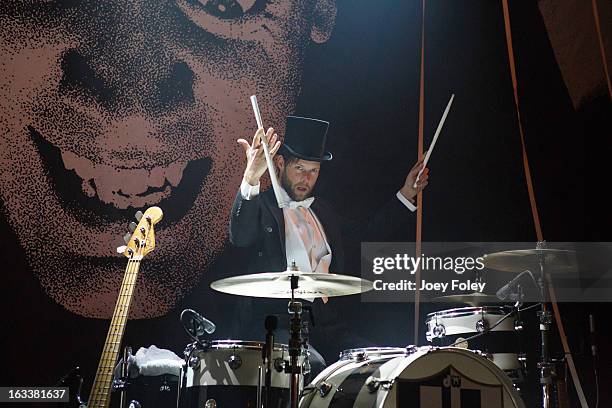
x: 109, y: 107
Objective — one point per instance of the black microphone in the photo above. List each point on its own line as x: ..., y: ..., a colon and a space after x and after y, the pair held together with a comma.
x: 196, y: 324
x: 507, y: 290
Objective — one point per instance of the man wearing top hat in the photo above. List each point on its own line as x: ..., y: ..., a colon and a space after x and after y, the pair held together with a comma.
x: 306, y: 231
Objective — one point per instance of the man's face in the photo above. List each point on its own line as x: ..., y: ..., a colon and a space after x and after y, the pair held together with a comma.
x: 110, y: 107
x: 298, y: 177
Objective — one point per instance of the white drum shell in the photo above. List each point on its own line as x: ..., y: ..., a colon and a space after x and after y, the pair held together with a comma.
x: 466, y: 320
x: 214, y: 367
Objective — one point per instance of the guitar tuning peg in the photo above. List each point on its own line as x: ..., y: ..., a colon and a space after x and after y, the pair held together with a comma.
x: 138, y: 215
x: 127, y: 237
x: 121, y: 249
x: 132, y: 226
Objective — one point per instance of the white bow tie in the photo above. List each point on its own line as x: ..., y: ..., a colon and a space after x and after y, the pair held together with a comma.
x: 304, y: 203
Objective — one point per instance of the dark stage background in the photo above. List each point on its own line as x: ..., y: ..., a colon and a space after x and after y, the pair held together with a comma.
x: 93, y: 94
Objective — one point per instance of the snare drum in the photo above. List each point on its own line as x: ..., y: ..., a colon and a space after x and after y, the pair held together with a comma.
x: 449, y: 327
x: 227, y: 374
x: 413, y: 377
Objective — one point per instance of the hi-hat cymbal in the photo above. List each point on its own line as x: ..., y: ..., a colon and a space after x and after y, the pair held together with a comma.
x: 555, y: 260
x: 278, y: 285
x: 472, y: 299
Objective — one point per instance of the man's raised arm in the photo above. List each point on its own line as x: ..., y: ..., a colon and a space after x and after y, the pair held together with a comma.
x: 246, y: 207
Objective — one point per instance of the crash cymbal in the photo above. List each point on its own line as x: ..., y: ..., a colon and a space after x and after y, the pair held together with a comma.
x: 556, y: 261
x: 278, y: 285
x: 472, y: 299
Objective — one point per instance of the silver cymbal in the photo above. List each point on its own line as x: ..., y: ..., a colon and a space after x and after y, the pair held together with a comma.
x: 472, y: 299
x: 556, y: 261
x: 278, y: 285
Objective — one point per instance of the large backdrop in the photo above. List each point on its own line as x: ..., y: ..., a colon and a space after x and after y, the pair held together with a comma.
x: 110, y: 107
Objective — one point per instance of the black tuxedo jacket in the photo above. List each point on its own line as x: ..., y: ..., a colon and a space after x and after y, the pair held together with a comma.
x: 258, y: 227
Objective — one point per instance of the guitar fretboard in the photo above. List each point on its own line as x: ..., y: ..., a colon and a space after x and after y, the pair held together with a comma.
x: 100, y: 392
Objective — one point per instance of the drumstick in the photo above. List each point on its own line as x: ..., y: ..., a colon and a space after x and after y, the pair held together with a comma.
x: 264, y: 142
x: 435, y: 138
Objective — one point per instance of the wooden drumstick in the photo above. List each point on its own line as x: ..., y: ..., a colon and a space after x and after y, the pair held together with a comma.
x: 435, y: 138
x: 270, y: 163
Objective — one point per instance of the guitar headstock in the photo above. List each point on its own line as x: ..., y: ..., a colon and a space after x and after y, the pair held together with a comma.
x: 141, y: 238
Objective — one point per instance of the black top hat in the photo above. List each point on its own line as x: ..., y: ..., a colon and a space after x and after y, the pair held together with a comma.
x: 305, y: 139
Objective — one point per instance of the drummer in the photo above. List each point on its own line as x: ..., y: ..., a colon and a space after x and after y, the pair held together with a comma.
x: 306, y: 231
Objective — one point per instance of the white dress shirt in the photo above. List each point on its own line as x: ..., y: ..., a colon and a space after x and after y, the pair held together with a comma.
x: 305, y: 239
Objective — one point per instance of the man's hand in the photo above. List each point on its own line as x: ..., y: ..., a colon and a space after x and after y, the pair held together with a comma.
x: 408, y: 190
x: 256, y: 159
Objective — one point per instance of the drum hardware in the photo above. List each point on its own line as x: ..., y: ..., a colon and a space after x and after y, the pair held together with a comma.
x: 482, y: 326
x: 270, y: 324
x: 411, y: 349
x: 295, y: 343
x: 324, y: 389
x: 439, y: 330
x: 234, y: 361
x: 134, y: 404
x: 196, y: 327
x: 279, y: 364
x: 363, y: 354
x: 545, y: 261
x: 373, y: 384
x: 121, y: 384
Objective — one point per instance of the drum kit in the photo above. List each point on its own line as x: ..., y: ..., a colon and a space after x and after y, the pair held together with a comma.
x: 473, y: 359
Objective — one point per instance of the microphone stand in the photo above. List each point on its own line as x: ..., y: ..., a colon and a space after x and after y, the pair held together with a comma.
x: 271, y: 322
x: 546, y: 367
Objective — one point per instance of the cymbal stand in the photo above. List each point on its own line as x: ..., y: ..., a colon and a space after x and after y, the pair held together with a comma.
x: 295, y: 344
x: 546, y: 366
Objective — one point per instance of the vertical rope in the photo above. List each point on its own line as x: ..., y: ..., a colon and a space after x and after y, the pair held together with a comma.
x: 419, y: 220
x: 534, y: 208
x: 602, y: 50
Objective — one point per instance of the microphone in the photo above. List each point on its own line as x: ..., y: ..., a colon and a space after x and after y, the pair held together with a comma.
x: 195, y: 324
x: 506, y: 291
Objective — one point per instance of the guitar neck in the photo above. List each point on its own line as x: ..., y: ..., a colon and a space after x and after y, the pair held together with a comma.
x: 101, y: 390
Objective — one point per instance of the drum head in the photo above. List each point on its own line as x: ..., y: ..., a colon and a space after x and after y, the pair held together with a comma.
x: 454, y: 375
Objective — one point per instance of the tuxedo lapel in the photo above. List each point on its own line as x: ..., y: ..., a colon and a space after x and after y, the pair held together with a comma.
x: 277, y: 214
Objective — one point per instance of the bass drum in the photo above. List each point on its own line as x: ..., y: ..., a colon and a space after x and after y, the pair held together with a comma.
x: 414, y: 377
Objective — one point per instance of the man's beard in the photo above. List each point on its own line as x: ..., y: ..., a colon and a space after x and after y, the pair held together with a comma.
x: 289, y: 188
